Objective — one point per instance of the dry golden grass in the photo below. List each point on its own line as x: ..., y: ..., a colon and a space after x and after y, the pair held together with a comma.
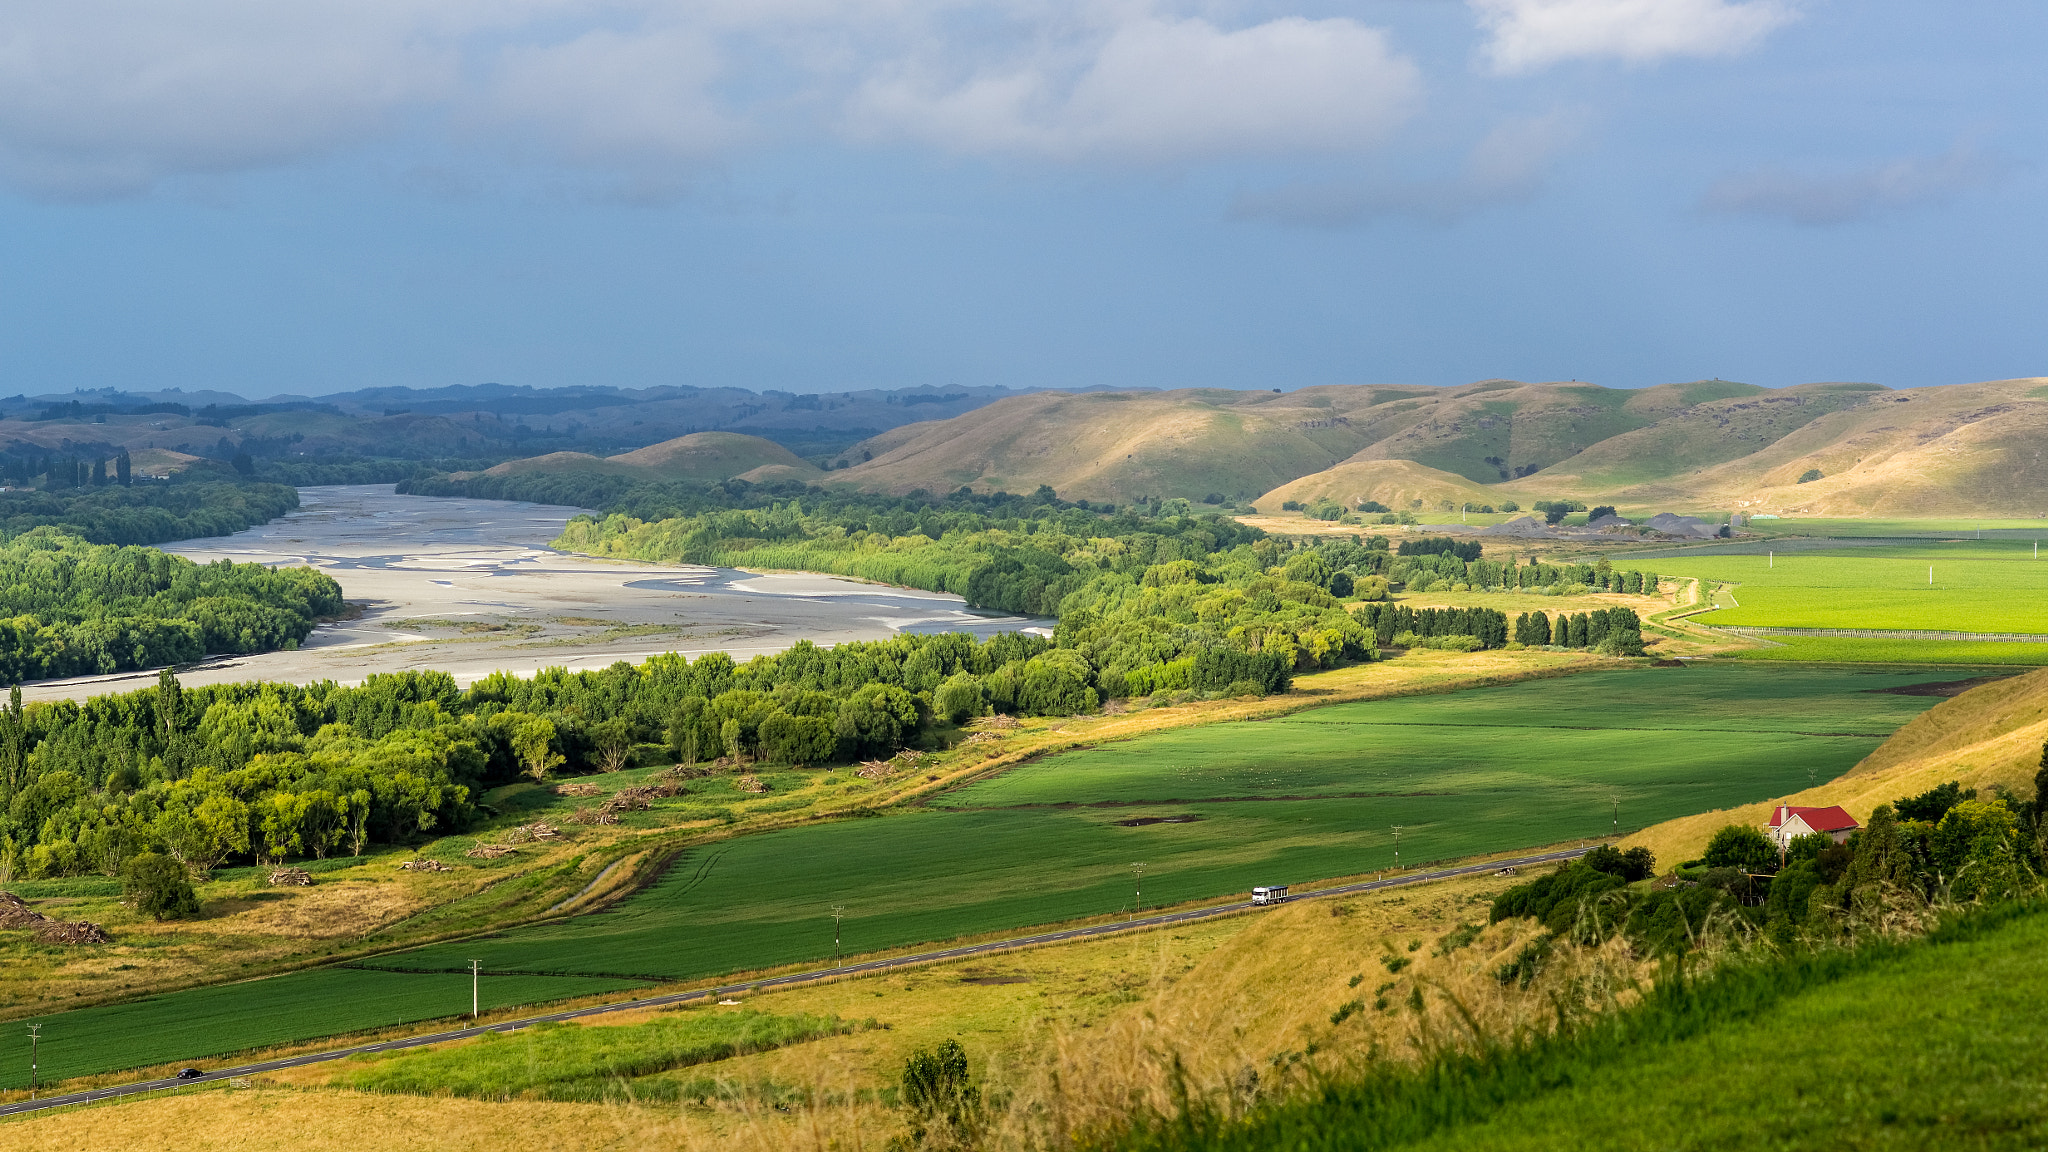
x: 1067, y: 1037
x: 1991, y: 735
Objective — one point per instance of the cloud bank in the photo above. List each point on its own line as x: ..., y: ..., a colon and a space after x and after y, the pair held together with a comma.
x: 108, y: 97
x: 1530, y: 35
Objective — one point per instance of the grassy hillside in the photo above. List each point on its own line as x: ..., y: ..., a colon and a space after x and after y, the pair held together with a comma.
x: 1393, y: 483
x: 1987, y: 735
x: 1953, y: 450
x: 698, y: 456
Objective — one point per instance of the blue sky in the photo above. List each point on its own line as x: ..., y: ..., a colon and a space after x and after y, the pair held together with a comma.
x: 794, y: 194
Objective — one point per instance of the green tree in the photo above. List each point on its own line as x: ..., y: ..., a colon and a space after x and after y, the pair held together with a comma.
x: 614, y: 741
x: 876, y: 720
x: 533, y: 741
x: 960, y: 698
x: 1740, y: 846
x: 158, y: 887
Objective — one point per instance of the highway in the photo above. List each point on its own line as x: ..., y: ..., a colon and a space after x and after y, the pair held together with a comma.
x: 142, y: 1087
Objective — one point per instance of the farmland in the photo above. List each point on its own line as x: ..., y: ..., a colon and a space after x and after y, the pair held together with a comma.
x: 1288, y: 799
x: 1869, y: 650
x: 1977, y: 586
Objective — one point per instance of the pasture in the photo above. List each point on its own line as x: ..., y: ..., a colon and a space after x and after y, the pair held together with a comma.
x: 1868, y: 650
x: 1211, y: 811
x: 201, y: 1022
x: 1977, y: 585
x: 1208, y: 811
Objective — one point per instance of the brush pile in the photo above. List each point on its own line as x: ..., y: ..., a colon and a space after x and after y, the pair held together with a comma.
x: 15, y: 913
x: 425, y: 866
x: 484, y: 851
x: 593, y: 816
x: 290, y: 878
x: 875, y: 770
x: 533, y: 833
x: 751, y: 784
x: 578, y: 788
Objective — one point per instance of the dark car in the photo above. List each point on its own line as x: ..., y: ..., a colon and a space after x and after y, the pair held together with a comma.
x: 188, y: 1074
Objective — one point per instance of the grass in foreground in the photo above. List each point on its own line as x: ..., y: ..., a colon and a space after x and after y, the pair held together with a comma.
x: 570, y: 1062
x: 1934, y: 1044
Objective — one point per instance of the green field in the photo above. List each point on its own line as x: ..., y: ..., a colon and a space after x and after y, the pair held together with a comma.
x: 1978, y: 585
x: 1939, y: 1047
x: 1287, y: 800
x: 231, y: 1017
x: 1864, y: 650
x: 1950, y: 526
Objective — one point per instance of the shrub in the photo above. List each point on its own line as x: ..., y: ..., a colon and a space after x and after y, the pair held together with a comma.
x: 158, y: 887
x: 1809, y: 476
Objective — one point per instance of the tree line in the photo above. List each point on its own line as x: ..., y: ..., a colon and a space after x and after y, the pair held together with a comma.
x: 70, y: 608
x: 155, y: 513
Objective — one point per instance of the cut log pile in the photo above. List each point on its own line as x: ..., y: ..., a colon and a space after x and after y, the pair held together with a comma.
x: 531, y: 833
x: 875, y: 769
x: 291, y: 878
x: 15, y: 913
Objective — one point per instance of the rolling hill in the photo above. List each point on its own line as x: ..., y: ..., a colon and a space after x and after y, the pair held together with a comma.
x: 698, y: 456
x: 1705, y: 445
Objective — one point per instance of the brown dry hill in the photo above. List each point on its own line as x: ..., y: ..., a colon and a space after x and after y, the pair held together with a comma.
x: 1393, y: 483
x: 1990, y: 734
x: 1197, y: 442
x: 698, y: 456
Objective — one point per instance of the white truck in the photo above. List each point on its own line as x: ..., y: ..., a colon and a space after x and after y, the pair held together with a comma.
x: 1269, y: 895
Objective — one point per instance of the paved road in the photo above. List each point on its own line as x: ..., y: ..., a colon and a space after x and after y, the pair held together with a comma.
x: 146, y: 1086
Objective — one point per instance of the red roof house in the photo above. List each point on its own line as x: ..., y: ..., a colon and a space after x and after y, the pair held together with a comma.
x: 1789, y: 823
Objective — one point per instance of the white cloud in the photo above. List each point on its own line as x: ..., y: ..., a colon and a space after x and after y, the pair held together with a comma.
x: 1820, y: 198
x: 1508, y: 165
x: 107, y: 97
x: 104, y: 97
x: 1528, y: 35
x: 1158, y: 91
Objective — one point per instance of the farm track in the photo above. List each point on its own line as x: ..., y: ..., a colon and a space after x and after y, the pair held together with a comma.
x: 146, y: 1087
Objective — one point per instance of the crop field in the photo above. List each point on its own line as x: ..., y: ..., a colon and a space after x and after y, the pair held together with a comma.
x: 1207, y: 811
x: 204, y: 1022
x: 1977, y: 586
x: 1865, y: 650
x: 1214, y: 810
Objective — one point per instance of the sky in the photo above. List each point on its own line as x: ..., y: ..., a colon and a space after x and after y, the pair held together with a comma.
x: 322, y: 195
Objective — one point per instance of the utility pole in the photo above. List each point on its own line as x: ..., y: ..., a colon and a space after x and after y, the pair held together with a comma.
x: 34, y: 1042
x: 1617, y: 816
x: 475, y: 1004
x: 838, y: 914
x: 1397, y: 847
x: 1137, y: 888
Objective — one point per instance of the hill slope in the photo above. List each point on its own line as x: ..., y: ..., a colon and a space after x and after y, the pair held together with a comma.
x: 1711, y: 444
x: 1990, y: 734
x: 698, y: 456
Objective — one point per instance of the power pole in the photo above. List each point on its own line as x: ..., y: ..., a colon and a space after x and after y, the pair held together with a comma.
x: 1397, y: 847
x: 34, y: 1043
x: 1138, y: 888
x: 475, y: 1005
x: 1617, y: 816
x: 838, y: 913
